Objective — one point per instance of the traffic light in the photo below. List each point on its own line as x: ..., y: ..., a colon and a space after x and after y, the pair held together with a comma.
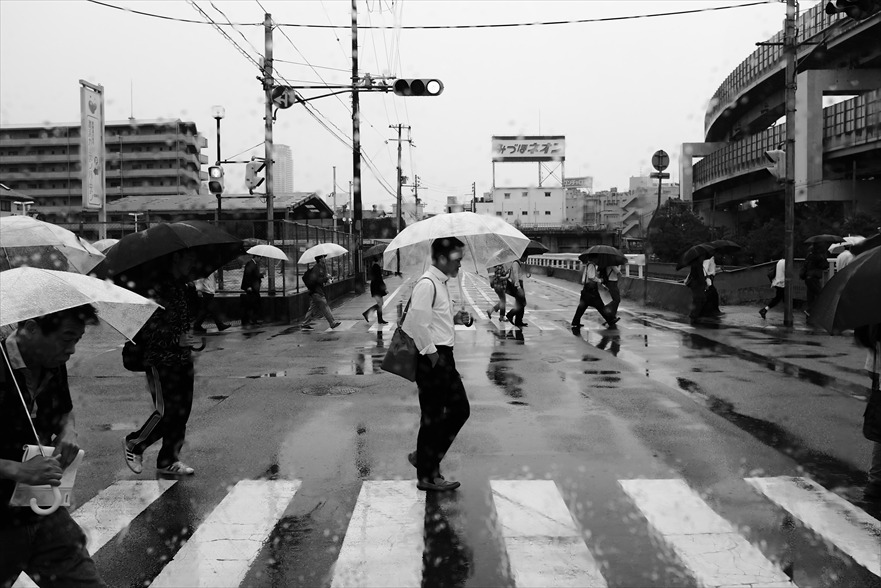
x: 855, y: 9
x: 252, y: 168
x: 775, y: 161
x: 215, y: 179
x: 418, y: 87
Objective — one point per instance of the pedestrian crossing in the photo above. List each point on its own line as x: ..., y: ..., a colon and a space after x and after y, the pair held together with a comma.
x: 540, y: 538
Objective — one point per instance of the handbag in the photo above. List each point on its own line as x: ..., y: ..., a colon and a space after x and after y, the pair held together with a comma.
x: 401, y: 357
x: 133, y: 357
x: 872, y: 417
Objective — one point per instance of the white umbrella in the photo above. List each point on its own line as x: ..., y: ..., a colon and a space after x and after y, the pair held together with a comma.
x: 103, y: 245
x: 837, y: 248
x: 270, y: 251
x: 28, y: 292
x: 27, y: 241
x: 489, y: 240
x: 326, y: 249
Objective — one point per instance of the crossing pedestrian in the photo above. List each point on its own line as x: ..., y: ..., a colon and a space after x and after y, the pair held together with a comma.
x: 711, y: 307
x: 515, y: 288
x: 696, y: 282
x: 815, y: 265
x: 590, y: 297
x: 610, y: 275
x: 869, y: 337
x: 442, y: 399
x: 167, y: 352
x: 499, y: 283
x: 252, y: 277
x: 207, y: 305
x: 51, y: 549
x: 778, y: 282
x: 378, y: 290
x: 315, y: 284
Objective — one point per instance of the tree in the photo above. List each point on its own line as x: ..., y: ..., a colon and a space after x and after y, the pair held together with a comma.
x: 676, y: 229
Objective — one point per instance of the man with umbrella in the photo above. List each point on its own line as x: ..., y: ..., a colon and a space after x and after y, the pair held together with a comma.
x: 812, y: 273
x: 51, y: 547
x: 251, y: 280
x: 315, y: 284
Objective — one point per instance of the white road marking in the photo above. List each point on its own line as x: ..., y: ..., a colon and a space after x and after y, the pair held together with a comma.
x: 383, y: 544
x: 221, y: 550
x: 389, y: 328
x: 110, y: 512
x: 708, y: 545
x: 849, y: 528
x: 542, y: 541
x: 344, y: 326
x: 391, y: 298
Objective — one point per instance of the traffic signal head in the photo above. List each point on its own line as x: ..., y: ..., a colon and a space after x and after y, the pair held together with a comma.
x: 252, y: 180
x: 855, y: 9
x: 418, y: 87
x: 215, y: 179
x: 775, y: 161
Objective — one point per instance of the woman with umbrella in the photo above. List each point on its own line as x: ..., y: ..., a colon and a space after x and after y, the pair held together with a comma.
x: 378, y: 291
x: 499, y: 284
x: 590, y: 295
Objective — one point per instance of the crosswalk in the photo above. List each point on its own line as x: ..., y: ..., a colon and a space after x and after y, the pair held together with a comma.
x: 541, y: 539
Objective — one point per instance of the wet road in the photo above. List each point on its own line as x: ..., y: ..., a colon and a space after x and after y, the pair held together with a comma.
x: 643, y: 456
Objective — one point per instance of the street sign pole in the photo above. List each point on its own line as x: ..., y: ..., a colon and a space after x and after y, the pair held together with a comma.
x: 789, y: 48
x: 660, y: 161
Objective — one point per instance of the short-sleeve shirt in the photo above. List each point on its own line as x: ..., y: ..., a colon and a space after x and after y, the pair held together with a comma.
x: 49, y: 408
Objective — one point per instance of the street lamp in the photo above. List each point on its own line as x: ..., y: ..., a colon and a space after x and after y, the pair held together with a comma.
x: 218, y: 112
x: 136, y: 215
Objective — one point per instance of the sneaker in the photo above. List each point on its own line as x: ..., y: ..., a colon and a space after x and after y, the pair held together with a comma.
x: 437, y: 485
x: 763, y: 312
x: 522, y: 324
x: 335, y: 324
x: 134, y: 461
x: 382, y: 322
x: 614, y: 321
x: 223, y: 327
x: 199, y: 330
x: 502, y: 319
x: 178, y: 468
x: 489, y: 314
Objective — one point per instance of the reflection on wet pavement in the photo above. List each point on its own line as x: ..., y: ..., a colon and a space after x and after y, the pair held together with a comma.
x: 500, y: 376
x: 446, y: 560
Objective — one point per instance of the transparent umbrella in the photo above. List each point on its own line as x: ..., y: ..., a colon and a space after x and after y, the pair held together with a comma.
x: 31, y: 242
x: 328, y: 250
x: 270, y: 251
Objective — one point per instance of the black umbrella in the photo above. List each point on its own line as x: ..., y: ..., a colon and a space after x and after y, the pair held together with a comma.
x: 724, y: 246
x: 824, y: 239
x: 850, y: 298
x: 139, y: 258
x: 375, y: 250
x: 603, y: 256
x: 701, y: 251
x: 535, y: 248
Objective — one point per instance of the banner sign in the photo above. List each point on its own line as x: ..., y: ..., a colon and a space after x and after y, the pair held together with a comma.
x: 532, y: 148
x: 92, y: 154
x: 577, y: 182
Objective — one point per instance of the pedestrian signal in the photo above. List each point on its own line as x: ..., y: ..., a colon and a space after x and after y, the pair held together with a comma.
x: 418, y: 87
x: 775, y: 161
x: 252, y: 180
x: 855, y: 9
x: 215, y: 179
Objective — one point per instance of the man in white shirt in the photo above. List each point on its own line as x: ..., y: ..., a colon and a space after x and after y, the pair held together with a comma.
x: 711, y: 307
x: 207, y: 306
x: 844, y: 258
x: 778, y: 282
x: 442, y: 399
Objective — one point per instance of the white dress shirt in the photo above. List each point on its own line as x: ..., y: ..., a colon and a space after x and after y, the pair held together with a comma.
x: 780, y: 275
x: 428, y: 324
x: 844, y: 258
x: 709, y: 270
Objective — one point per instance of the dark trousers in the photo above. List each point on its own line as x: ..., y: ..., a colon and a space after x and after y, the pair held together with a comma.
x: 778, y: 297
x: 698, y: 300
x: 444, y: 407
x: 251, y: 307
x: 616, y: 296
x: 50, y: 549
x: 515, y: 315
x: 813, y: 286
x: 172, y: 390
x: 590, y: 297
x: 711, y: 306
x: 207, y: 309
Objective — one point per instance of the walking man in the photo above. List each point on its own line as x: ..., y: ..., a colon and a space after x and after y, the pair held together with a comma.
x: 516, y: 289
x: 170, y: 374
x: 499, y: 284
x: 778, y: 282
x: 378, y: 291
x: 590, y: 296
x: 696, y: 281
x: 815, y: 265
x: 251, y: 280
x: 442, y: 400
x: 315, y: 284
x: 611, y: 274
x: 207, y: 306
x: 50, y: 549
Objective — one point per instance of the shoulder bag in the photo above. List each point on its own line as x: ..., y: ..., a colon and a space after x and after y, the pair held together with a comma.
x: 400, y: 359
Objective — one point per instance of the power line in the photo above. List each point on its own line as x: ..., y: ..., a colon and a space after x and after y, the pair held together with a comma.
x: 257, y: 51
x: 198, y: 9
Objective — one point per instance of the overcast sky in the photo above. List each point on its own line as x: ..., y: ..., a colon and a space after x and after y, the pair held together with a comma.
x: 617, y: 90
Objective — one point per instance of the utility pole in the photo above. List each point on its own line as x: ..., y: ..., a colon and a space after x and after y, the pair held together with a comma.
x: 356, y: 147
x: 400, y: 186
x: 416, y: 194
x: 334, y: 199
x: 268, y: 83
x: 473, y: 196
x: 789, y: 49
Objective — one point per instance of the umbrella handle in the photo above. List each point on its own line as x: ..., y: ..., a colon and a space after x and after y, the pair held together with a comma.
x: 200, y: 347
x: 56, y: 494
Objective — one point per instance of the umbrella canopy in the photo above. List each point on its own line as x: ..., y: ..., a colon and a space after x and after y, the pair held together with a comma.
x: 103, y: 245
x: 824, y: 239
x: 702, y: 251
x: 849, y: 241
x: 603, y: 256
x: 488, y: 240
x: 376, y: 250
x: 850, y: 298
x: 139, y: 258
x: 29, y: 292
x: 270, y: 251
x: 535, y: 248
x: 326, y: 249
x: 27, y: 241
x: 724, y: 246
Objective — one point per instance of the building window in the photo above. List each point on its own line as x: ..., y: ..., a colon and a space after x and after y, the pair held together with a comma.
x: 547, y: 194
x: 498, y: 214
x: 5, y: 205
x: 525, y: 194
x: 524, y: 213
x: 547, y: 213
x: 507, y: 195
x: 510, y: 212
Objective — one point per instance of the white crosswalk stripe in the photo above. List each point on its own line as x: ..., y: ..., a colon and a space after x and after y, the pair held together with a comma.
x: 854, y: 531
x: 541, y: 541
x: 706, y: 543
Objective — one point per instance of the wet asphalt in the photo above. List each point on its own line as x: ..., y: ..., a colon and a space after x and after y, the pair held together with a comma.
x: 656, y: 398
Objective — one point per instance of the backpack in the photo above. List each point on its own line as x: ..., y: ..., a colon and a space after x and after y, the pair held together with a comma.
x: 310, y: 278
x: 772, y: 273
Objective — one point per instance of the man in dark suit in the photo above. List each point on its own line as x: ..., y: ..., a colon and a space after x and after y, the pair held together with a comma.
x: 251, y: 279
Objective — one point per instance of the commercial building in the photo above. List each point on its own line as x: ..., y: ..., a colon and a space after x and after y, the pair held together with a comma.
x: 282, y: 170
x: 143, y: 158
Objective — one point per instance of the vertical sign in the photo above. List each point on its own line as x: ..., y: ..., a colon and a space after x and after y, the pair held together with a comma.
x: 92, y: 154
